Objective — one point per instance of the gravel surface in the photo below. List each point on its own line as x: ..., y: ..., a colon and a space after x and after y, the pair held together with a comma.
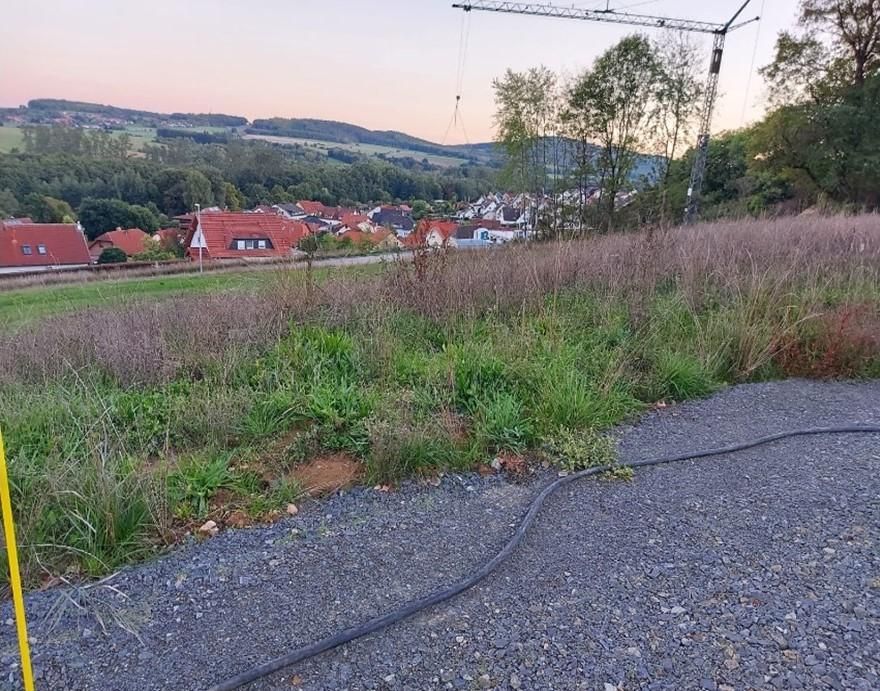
x: 759, y: 570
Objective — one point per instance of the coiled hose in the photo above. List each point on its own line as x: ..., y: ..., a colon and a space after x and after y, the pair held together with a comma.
x: 445, y: 593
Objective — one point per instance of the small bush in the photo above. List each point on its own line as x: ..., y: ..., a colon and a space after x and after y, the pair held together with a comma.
x: 401, y: 450
x: 112, y: 255
x: 842, y: 342
x: 340, y: 409
x: 477, y: 373
x: 272, y: 414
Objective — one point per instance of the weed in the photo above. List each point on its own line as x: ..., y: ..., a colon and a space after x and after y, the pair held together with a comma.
x: 196, y: 481
x: 399, y: 451
x: 575, y: 450
x: 500, y: 424
x: 681, y: 376
x: 411, y: 369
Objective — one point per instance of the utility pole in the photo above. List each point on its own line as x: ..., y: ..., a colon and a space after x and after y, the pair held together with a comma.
x: 611, y: 16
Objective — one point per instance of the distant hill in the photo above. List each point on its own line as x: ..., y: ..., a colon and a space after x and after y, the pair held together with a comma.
x: 393, y: 144
x: 41, y: 109
x: 345, y: 133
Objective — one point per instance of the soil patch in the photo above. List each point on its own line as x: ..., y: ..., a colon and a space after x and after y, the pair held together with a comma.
x: 328, y: 474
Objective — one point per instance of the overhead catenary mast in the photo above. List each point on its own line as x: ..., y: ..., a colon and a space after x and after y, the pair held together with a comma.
x: 611, y: 16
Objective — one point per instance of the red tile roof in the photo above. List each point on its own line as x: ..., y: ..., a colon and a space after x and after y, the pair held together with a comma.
x: 131, y: 241
x: 335, y: 213
x: 64, y: 244
x: 446, y: 229
x: 359, y: 237
x: 223, y: 230
x: 312, y: 208
x: 352, y: 220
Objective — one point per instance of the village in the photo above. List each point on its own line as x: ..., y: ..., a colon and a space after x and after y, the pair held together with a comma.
x: 266, y: 233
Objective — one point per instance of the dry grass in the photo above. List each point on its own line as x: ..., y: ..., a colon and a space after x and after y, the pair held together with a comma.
x: 755, y: 265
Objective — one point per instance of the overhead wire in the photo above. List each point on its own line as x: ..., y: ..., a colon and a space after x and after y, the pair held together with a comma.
x: 463, y: 43
x: 752, y: 65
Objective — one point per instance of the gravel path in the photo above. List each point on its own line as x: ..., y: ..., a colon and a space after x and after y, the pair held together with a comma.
x: 759, y: 570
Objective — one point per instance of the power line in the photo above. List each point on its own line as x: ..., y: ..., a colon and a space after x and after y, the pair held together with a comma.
x: 752, y: 68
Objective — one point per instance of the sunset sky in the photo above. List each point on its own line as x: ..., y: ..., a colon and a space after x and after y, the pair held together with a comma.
x: 382, y: 64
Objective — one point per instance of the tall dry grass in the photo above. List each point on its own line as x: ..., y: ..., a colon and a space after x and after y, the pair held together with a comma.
x: 756, y: 265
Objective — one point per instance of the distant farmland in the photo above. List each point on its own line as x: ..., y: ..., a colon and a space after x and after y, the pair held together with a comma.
x: 364, y: 149
x: 10, y: 138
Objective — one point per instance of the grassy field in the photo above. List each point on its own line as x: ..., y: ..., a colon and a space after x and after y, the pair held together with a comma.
x: 364, y: 149
x: 26, y: 305
x: 10, y: 138
x: 132, y: 421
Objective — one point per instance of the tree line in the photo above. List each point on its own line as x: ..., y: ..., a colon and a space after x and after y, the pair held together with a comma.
x: 68, y: 173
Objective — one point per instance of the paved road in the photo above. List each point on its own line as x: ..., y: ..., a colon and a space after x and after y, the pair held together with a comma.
x: 754, y: 571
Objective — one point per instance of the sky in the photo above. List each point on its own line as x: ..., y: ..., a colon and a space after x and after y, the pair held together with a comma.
x: 381, y: 64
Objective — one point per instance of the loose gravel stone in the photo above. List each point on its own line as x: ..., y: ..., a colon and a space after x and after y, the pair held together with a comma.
x: 754, y: 570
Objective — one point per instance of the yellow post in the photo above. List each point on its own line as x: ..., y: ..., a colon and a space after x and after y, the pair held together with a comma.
x: 14, y: 575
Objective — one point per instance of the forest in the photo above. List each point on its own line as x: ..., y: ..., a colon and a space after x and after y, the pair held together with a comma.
x: 64, y: 171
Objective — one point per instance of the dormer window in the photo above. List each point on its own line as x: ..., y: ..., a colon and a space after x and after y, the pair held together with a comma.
x: 41, y: 249
x: 27, y: 250
x: 256, y: 244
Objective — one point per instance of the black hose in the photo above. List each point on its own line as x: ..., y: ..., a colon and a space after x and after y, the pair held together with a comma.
x: 467, y: 582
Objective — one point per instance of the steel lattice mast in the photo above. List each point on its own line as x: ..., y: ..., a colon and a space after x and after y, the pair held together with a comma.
x: 610, y: 16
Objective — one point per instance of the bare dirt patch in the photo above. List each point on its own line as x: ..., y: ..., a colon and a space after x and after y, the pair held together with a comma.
x: 328, y: 474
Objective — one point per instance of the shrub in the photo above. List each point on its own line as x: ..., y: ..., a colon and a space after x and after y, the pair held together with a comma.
x: 196, y: 480
x: 112, y: 255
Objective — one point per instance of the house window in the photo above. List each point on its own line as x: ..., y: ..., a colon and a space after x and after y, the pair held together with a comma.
x: 27, y: 249
x: 252, y: 244
x: 41, y: 249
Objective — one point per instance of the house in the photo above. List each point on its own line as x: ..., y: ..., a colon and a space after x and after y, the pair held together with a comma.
x: 382, y: 239
x: 26, y: 246
x: 432, y: 233
x: 328, y: 213
x: 312, y: 208
x: 392, y: 217
x: 169, y: 238
x: 132, y: 241
x: 243, y: 236
x: 359, y: 221
x: 290, y: 211
x: 263, y: 209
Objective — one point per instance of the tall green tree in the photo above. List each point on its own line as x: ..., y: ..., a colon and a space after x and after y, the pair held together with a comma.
x: 615, y: 104
x: 98, y: 216
x: 530, y: 129
x: 45, y: 209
